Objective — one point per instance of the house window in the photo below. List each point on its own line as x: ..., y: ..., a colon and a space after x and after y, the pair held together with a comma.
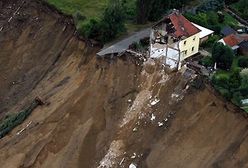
x: 186, y: 52
x: 193, y: 48
x: 194, y: 38
x: 185, y: 42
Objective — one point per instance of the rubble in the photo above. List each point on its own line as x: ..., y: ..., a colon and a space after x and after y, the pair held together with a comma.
x: 133, y: 156
x: 132, y: 166
x: 122, y: 161
x: 155, y: 101
x: 135, y: 129
x: 110, y: 158
x: 153, y: 117
x: 160, y: 124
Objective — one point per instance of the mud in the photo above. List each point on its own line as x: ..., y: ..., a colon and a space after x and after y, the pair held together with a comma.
x: 105, y: 112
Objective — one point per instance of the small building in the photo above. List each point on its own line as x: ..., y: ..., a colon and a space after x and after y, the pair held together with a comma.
x: 234, y: 41
x: 175, y: 39
x: 227, y: 30
x: 204, y: 34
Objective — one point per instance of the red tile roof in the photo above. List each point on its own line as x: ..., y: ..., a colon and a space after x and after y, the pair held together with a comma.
x: 234, y: 39
x: 231, y: 40
x: 182, y: 26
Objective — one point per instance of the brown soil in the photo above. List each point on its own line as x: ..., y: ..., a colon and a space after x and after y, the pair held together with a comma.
x: 104, y: 112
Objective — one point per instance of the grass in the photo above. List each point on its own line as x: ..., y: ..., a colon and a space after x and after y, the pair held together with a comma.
x: 88, y: 8
x: 229, y: 20
x: 221, y: 74
x: 246, y: 109
x: 238, y: 7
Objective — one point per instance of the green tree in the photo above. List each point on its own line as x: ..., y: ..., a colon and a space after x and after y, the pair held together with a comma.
x: 243, y: 8
x: 152, y: 10
x: 144, y: 7
x: 230, y: 1
x: 244, y: 78
x: 222, y: 55
x: 89, y: 29
x: 243, y: 62
x: 210, y: 5
x: 234, y: 80
x: 113, y: 20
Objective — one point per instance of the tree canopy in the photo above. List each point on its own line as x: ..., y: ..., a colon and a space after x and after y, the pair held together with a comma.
x: 222, y: 55
x: 152, y: 10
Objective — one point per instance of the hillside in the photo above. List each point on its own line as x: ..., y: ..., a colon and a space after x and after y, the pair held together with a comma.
x: 105, y: 112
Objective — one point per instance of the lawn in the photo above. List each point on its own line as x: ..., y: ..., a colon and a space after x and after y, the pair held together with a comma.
x: 246, y: 109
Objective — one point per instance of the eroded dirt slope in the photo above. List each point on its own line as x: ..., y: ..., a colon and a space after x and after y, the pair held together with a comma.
x: 102, y: 112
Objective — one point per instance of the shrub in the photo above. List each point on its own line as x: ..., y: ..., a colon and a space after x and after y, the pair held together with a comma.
x: 220, y: 80
x: 237, y: 97
x: 234, y: 80
x: 78, y: 17
x: 244, y: 78
x: 11, y: 121
x: 90, y: 28
x: 211, y: 40
x: 207, y: 61
x: 243, y: 62
x: 225, y: 93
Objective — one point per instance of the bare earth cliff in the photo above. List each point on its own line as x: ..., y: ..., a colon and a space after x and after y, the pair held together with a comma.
x: 104, y: 112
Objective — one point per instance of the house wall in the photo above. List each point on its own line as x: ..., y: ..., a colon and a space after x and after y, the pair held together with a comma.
x: 190, y: 46
x: 204, y: 39
x: 170, y: 56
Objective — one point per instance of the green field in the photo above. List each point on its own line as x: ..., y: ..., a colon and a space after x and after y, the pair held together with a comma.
x: 88, y: 8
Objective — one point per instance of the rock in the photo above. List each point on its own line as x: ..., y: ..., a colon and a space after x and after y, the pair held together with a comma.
x: 160, y: 124
x: 135, y: 129
x: 153, y: 117
x: 155, y: 101
x: 134, y: 156
x: 132, y: 165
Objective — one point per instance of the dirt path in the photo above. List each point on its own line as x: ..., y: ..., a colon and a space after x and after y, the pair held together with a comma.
x: 105, y: 113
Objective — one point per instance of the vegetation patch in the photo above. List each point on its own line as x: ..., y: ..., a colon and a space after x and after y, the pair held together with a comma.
x: 92, y: 8
x: 11, y: 121
x: 213, y: 20
x: 231, y: 77
x: 246, y: 109
x: 103, y: 20
x: 243, y: 62
x: 241, y: 7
